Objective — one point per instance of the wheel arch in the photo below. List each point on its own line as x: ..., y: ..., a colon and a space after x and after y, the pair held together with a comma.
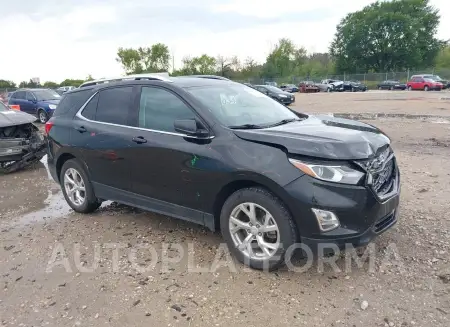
x: 239, y: 184
x: 60, y: 162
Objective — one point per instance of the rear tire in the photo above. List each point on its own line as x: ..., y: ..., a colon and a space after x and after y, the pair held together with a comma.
x: 426, y: 88
x: 79, y: 194
x: 409, y: 88
x: 264, y: 250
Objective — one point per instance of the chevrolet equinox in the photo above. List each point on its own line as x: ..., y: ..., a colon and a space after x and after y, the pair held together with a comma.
x: 223, y: 155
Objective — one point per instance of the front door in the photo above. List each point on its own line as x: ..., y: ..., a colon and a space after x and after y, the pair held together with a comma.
x: 30, y: 105
x: 167, y: 165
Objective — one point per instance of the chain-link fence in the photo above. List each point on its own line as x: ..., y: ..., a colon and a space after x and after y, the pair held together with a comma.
x: 371, y: 79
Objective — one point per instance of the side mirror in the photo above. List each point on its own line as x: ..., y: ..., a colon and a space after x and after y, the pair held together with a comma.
x: 189, y: 127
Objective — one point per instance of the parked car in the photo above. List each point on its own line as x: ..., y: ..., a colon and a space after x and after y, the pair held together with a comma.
x: 249, y: 85
x: 308, y: 87
x: 38, y: 102
x: 330, y: 85
x: 445, y: 83
x: 353, y: 86
x: 420, y: 82
x: 21, y: 143
x: 291, y: 88
x: 220, y: 154
x: 391, y: 85
x: 64, y: 89
x: 271, y: 84
x: 276, y: 93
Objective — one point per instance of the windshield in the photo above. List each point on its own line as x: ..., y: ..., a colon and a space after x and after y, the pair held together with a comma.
x: 3, y: 107
x: 43, y: 95
x: 237, y: 105
x: 273, y: 88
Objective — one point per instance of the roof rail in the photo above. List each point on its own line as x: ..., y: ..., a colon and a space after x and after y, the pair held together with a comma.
x: 208, y: 77
x: 151, y: 76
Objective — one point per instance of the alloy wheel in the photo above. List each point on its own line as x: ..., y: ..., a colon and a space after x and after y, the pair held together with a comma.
x: 254, y: 231
x: 42, y: 117
x: 75, y: 187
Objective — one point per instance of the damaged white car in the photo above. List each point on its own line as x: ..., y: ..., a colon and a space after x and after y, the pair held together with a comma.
x: 21, y: 142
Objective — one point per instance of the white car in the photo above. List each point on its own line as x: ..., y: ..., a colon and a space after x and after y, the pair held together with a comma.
x: 65, y: 89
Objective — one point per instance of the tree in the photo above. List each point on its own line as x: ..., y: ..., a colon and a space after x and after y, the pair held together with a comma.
x: 4, y: 84
x: 387, y: 36
x: 280, y: 61
x: 443, y: 58
x: 144, y: 60
x: 203, y: 65
x: 72, y: 82
x: 50, y: 85
x: 29, y: 84
x: 89, y: 78
x: 130, y: 60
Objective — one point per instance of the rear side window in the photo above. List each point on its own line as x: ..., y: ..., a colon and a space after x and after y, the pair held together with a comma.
x: 114, y: 104
x: 159, y: 109
x: 72, y: 102
x: 19, y: 95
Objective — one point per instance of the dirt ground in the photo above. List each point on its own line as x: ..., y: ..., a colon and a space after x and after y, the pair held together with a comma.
x: 407, y: 283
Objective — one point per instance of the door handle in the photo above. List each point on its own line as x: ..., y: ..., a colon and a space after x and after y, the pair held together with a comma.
x: 81, y: 129
x: 139, y: 139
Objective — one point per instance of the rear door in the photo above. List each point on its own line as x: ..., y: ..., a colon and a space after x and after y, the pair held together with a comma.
x: 18, y: 99
x: 102, y: 137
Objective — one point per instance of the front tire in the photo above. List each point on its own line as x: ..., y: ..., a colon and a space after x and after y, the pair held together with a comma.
x: 410, y: 88
x: 77, y: 188
x: 426, y: 89
x: 257, y: 228
x: 42, y: 116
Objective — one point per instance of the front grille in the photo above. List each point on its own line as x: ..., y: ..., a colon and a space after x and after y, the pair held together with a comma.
x: 384, y: 171
x: 384, y: 223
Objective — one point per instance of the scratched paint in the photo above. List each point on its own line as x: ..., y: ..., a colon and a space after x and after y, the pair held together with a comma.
x: 194, y: 160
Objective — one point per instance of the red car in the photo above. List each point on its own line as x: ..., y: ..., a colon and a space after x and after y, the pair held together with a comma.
x: 421, y: 82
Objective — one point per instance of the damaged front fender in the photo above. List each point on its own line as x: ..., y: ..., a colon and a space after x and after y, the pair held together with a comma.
x: 21, y: 142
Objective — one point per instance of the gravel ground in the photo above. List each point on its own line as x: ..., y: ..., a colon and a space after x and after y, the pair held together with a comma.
x: 406, y: 284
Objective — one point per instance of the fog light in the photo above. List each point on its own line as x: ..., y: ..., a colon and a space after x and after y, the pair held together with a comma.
x: 326, y: 219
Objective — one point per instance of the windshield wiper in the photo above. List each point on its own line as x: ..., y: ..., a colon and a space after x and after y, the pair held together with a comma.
x: 247, y: 126
x: 284, y: 121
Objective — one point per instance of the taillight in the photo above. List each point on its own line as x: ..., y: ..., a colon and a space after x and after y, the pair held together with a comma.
x: 48, y: 126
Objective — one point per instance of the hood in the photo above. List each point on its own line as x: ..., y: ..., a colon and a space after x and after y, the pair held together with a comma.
x: 49, y: 101
x: 15, y: 117
x: 322, y: 137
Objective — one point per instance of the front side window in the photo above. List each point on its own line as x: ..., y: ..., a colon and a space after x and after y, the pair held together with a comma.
x: 159, y: 109
x: 236, y: 105
x: 113, y: 105
x: 30, y: 96
x: 20, y: 95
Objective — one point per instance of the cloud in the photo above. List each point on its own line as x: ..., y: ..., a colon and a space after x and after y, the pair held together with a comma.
x: 54, y: 39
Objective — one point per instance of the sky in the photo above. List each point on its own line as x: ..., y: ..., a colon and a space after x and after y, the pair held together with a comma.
x: 58, y: 39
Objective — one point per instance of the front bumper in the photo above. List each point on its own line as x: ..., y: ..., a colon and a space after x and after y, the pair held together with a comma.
x: 362, y: 215
x: 287, y: 100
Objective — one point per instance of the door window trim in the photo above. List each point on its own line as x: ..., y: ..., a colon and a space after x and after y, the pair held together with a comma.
x: 80, y: 116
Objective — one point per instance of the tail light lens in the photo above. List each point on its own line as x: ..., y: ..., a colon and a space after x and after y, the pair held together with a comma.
x: 48, y: 126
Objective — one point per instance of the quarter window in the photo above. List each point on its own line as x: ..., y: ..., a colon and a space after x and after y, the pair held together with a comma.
x: 91, y: 108
x: 159, y: 109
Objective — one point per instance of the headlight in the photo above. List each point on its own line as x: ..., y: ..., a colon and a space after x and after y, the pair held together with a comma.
x: 52, y: 106
x: 329, y: 173
x: 282, y: 96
